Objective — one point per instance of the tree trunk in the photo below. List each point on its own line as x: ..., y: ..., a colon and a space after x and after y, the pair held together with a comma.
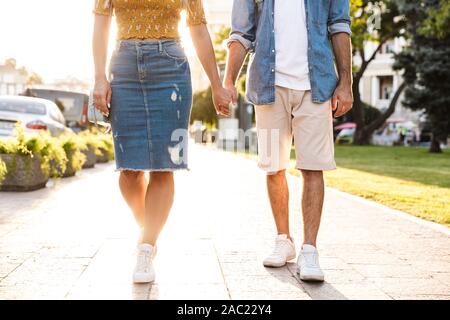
x: 363, y: 134
x: 358, y: 114
x: 435, y: 146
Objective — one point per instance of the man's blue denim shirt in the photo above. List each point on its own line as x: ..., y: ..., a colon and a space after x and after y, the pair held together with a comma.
x: 253, y: 26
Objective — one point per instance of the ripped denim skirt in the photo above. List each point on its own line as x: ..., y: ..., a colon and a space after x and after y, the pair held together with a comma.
x: 150, y: 106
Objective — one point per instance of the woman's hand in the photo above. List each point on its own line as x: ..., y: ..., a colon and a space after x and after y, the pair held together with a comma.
x: 222, y: 99
x: 102, y: 95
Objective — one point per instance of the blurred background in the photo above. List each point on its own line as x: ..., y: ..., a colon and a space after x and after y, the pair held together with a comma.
x: 398, y: 128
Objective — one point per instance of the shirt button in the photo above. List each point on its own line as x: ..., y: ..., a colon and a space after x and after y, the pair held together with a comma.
x: 273, y: 70
x: 273, y: 50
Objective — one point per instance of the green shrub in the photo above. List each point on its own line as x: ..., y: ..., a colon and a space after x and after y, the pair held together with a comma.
x: 106, y: 145
x: 2, y: 170
x: 73, y: 145
x: 43, y: 146
x: 92, y: 140
x: 58, y: 155
x: 53, y: 155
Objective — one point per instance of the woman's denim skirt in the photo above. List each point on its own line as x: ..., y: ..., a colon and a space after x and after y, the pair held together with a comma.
x: 150, y: 106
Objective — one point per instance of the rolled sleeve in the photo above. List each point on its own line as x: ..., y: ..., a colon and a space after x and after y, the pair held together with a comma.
x: 243, y: 24
x: 248, y: 45
x: 339, y: 18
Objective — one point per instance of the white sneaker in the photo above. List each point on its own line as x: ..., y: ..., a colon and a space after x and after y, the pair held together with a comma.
x: 283, y: 252
x: 144, y: 272
x: 308, y: 264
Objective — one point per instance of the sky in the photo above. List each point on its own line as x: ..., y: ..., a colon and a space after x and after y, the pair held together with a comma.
x: 52, y: 37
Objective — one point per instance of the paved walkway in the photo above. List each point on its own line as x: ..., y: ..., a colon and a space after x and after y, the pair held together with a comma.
x: 77, y: 239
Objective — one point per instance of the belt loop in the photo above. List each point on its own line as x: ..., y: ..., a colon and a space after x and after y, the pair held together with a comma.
x: 160, y: 46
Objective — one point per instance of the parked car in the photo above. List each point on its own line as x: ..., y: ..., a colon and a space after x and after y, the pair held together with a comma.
x: 33, y: 114
x: 345, y: 136
x: 73, y: 105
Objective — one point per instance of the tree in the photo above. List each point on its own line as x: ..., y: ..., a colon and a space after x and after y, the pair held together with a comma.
x: 203, y: 107
x: 426, y: 67
x: 220, y: 38
x: 11, y: 62
x: 34, y: 78
x: 437, y: 24
x: 376, y: 21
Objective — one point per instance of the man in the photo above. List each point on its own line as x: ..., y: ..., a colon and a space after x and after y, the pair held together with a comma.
x: 293, y: 84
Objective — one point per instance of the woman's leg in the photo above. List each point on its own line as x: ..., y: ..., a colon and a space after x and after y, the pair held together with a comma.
x: 158, y: 202
x: 133, y: 186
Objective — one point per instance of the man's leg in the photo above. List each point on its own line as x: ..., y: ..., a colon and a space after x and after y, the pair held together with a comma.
x: 278, y: 190
x: 313, y: 135
x: 274, y: 147
x: 312, y: 203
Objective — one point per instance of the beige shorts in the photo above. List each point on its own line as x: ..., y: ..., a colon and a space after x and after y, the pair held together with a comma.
x: 294, y: 115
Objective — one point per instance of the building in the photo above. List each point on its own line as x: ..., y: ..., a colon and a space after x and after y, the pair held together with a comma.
x: 380, y: 81
x: 12, y: 80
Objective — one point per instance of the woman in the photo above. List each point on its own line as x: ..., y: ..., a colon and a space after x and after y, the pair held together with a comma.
x: 150, y: 98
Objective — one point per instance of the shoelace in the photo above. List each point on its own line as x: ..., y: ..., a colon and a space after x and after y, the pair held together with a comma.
x: 311, y: 260
x: 144, y: 259
x: 279, y: 246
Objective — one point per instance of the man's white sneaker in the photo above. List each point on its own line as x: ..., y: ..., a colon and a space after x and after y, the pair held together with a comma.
x: 144, y: 272
x: 283, y: 252
x: 308, y: 264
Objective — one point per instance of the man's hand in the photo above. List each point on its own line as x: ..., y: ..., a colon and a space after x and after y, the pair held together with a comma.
x: 232, y: 90
x: 342, y: 100
x: 102, y: 95
x: 222, y: 100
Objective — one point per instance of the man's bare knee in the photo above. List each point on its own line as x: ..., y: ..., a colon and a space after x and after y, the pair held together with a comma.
x: 275, y: 176
x: 312, y: 174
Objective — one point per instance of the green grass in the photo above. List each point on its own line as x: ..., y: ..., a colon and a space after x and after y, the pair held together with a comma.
x: 407, y: 179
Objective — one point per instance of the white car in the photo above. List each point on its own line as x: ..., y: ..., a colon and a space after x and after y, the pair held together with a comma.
x: 35, y: 115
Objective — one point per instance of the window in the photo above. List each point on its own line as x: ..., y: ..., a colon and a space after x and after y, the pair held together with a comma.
x: 388, y: 47
x: 56, y: 115
x: 22, y: 107
x: 386, y: 87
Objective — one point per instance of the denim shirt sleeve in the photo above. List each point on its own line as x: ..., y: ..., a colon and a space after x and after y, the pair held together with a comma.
x: 339, y: 17
x: 243, y: 24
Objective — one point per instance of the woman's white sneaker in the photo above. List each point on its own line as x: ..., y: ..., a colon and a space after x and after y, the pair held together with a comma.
x: 308, y: 264
x: 283, y: 252
x: 144, y: 271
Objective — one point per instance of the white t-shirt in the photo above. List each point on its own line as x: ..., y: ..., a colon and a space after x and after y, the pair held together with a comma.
x: 291, y: 45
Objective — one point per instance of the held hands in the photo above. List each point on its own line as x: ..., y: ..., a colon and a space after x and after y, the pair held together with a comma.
x: 102, y: 95
x: 222, y: 99
x: 342, y: 100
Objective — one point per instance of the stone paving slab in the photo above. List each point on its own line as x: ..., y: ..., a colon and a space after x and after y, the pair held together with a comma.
x: 76, y: 240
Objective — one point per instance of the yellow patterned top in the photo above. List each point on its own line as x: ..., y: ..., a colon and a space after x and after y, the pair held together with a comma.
x: 150, y: 19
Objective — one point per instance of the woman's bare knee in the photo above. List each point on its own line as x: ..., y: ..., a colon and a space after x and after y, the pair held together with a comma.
x: 130, y: 175
x: 161, y: 176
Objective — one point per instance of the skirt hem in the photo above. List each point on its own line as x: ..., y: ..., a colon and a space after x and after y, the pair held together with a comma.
x: 152, y: 170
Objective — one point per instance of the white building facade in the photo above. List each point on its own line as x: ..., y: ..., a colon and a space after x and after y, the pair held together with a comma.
x: 12, y: 81
x: 380, y: 82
